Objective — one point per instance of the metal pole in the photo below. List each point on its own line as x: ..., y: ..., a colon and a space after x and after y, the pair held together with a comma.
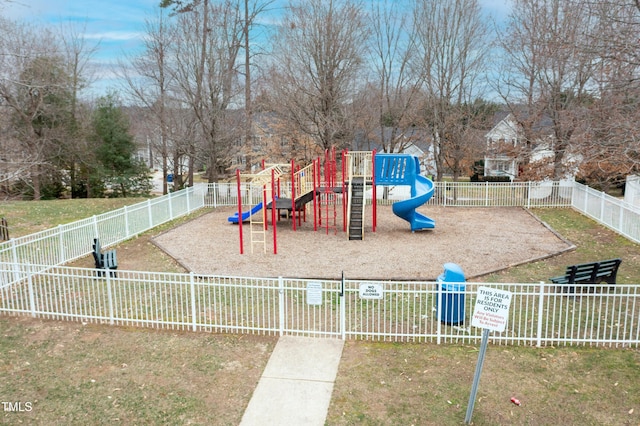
x: 374, y: 208
x: 476, y: 377
x: 293, y: 193
x: 273, y: 211
x: 239, y: 209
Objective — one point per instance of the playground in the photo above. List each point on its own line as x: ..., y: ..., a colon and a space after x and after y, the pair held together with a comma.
x: 479, y: 240
x: 324, y: 227
x: 318, y: 238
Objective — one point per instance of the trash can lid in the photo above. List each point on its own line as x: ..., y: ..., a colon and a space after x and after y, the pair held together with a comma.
x: 452, y: 273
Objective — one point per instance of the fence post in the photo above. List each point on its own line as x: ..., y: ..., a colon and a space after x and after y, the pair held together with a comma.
x: 444, y: 193
x: 281, y: 302
x: 16, y: 264
x: 439, y: 306
x: 540, y: 313
x: 343, y: 311
x: 194, y: 320
x: 215, y: 188
x: 109, y: 295
x: 187, y: 192
x: 528, y: 194
x: 32, y: 296
x: 62, y: 257
x: 150, y: 214
x: 95, y: 227
x: 170, y: 205
x: 486, y: 193
x: 127, y: 232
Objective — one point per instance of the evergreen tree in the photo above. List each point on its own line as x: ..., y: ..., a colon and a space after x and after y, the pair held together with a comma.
x: 117, y: 173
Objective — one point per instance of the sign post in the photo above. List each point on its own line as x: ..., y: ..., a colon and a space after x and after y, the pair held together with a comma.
x: 490, y: 313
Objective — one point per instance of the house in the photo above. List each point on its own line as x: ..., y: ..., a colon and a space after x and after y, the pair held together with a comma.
x: 505, y: 147
x: 413, y: 141
x: 501, y: 141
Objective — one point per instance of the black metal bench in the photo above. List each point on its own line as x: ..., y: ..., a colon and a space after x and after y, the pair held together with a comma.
x: 104, y: 260
x: 4, y: 230
x: 588, y: 273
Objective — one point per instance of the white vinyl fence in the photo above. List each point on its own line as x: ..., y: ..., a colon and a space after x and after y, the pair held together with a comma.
x: 632, y: 191
x: 407, y: 311
x: 32, y: 281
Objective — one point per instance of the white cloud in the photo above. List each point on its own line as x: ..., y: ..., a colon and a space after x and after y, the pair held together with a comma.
x: 115, y: 35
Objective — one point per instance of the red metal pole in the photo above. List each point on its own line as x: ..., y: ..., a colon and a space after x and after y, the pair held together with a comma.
x: 273, y: 211
x: 374, y: 192
x: 299, y: 215
x: 293, y: 194
x: 239, y: 209
x: 334, y: 167
x: 315, y: 200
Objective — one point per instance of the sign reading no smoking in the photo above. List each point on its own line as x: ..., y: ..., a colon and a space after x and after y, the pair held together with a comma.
x: 492, y: 309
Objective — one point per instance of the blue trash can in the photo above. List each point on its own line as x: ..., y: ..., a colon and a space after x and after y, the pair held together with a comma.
x: 451, y: 282
x: 170, y: 178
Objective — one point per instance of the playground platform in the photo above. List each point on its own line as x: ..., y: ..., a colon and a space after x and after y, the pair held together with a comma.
x: 296, y: 385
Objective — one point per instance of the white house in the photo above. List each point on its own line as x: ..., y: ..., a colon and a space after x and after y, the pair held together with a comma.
x: 498, y: 160
x: 504, y: 152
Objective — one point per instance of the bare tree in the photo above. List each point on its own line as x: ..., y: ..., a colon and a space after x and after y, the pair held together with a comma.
x: 34, y: 87
x: 452, y: 40
x: 612, y: 149
x: 550, y: 72
x: 318, y: 55
x: 390, y: 101
x: 204, y: 62
x: 78, y: 54
x: 149, y: 81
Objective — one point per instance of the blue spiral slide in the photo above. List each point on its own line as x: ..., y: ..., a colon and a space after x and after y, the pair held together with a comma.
x: 404, y: 169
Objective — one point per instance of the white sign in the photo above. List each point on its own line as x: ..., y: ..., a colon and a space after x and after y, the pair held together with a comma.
x: 371, y: 291
x: 314, y: 293
x: 492, y: 309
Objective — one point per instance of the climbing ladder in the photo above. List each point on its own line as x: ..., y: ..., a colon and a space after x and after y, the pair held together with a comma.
x: 328, y: 215
x: 357, y: 203
x: 258, y: 223
x: 359, y: 175
x: 326, y: 175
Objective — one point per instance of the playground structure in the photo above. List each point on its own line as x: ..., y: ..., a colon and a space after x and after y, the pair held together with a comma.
x: 286, y: 189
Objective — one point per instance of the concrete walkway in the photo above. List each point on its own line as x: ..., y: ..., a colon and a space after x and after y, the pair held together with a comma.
x: 296, y: 385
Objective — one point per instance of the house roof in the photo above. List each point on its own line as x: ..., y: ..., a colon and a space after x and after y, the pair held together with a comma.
x: 414, y: 136
x: 505, y: 118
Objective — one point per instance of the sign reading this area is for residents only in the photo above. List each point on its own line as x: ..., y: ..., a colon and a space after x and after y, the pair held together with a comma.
x: 492, y: 309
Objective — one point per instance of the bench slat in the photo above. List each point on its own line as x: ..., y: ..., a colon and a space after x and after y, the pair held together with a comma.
x: 104, y: 260
x: 588, y: 273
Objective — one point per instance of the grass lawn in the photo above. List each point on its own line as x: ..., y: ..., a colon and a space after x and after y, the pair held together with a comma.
x: 28, y: 217
x: 76, y: 373
x: 593, y: 242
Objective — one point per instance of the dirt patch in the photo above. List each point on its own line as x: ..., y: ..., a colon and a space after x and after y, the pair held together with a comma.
x: 480, y: 240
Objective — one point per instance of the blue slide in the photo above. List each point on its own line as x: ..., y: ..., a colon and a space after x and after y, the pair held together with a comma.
x: 403, y: 169
x: 245, y: 215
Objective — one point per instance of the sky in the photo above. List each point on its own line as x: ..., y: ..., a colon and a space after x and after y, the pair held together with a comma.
x: 118, y: 25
